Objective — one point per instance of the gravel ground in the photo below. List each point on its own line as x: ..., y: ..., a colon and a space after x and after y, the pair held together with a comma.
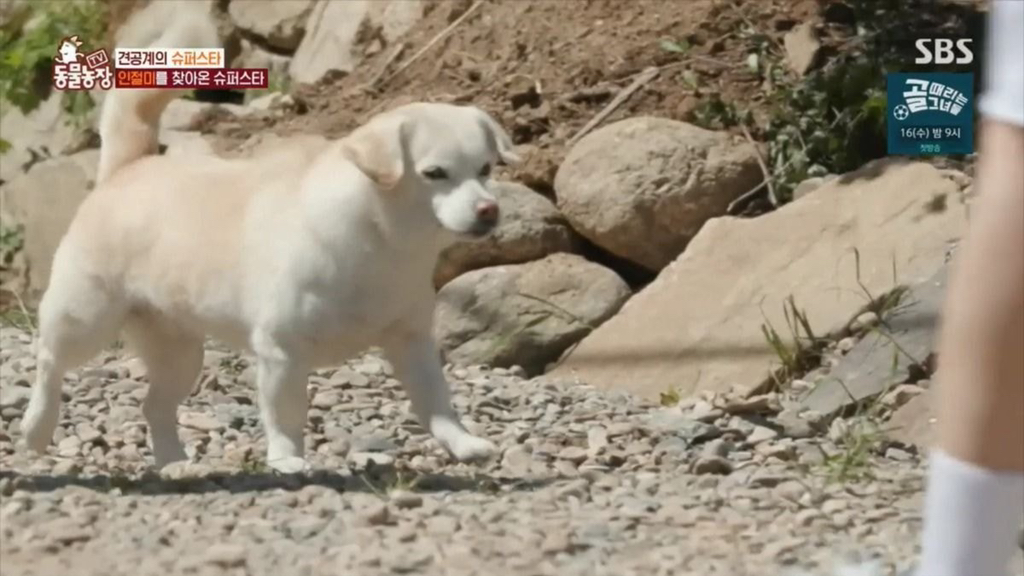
x: 589, y: 483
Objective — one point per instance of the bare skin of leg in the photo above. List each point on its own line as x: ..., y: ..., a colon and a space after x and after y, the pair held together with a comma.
x: 980, y: 379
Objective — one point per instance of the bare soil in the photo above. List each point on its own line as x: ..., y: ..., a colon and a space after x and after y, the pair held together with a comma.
x: 545, y: 69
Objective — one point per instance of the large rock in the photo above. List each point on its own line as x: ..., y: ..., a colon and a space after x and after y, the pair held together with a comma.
x: 14, y: 14
x: 181, y: 121
x: 281, y: 23
x: 891, y: 354
x: 914, y: 422
x: 530, y: 229
x: 334, y: 40
x: 698, y: 326
x: 525, y: 314
x: 180, y: 142
x: 45, y: 200
x: 803, y: 49
x: 182, y: 114
x: 641, y: 188
x: 39, y: 134
x: 253, y: 56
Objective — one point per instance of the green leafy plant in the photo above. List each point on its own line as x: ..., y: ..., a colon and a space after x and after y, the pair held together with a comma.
x: 234, y: 364
x: 12, y: 239
x: 803, y: 350
x: 16, y: 317
x: 716, y: 114
x: 832, y: 120
x: 670, y: 397
x: 254, y: 465
x: 681, y: 47
x: 857, y: 444
x: 859, y: 439
x: 27, y: 52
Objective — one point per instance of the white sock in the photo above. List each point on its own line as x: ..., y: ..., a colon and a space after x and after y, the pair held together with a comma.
x: 971, y: 519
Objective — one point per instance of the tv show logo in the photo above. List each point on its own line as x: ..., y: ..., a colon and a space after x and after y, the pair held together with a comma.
x: 941, y: 51
x: 73, y: 70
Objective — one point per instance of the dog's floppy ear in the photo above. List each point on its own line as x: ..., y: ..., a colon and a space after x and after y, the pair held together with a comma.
x: 498, y: 137
x: 378, y: 149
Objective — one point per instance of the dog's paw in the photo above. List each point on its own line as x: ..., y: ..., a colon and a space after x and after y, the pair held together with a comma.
x: 472, y: 449
x: 180, y: 470
x: 36, y: 434
x: 290, y: 465
x: 32, y: 445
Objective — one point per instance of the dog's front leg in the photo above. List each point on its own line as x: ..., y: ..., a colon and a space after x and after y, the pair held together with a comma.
x: 281, y: 382
x: 418, y: 367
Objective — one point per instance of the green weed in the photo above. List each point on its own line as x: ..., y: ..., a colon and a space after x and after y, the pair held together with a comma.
x: 27, y: 52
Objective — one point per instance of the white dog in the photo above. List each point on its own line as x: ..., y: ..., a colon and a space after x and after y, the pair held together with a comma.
x: 303, y: 257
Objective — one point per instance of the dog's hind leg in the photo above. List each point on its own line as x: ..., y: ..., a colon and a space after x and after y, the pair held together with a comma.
x: 77, y: 318
x: 173, y: 360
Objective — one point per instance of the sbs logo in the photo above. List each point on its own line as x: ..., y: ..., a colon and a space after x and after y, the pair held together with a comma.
x: 940, y: 51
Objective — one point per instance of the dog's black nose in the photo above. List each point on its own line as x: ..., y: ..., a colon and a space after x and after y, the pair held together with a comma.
x: 487, y: 211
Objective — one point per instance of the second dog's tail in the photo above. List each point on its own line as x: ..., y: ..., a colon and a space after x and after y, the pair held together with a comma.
x: 130, y: 120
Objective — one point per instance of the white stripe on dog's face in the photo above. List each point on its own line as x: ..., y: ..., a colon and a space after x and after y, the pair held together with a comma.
x: 467, y: 209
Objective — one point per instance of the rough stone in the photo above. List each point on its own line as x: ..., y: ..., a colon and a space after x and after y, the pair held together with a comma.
x: 731, y: 287
x: 45, y: 199
x: 899, y: 348
x: 642, y: 188
x: 803, y: 49
x: 914, y: 422
x: 525, y: 314
x: 280, y: 22
x: 333, y: 42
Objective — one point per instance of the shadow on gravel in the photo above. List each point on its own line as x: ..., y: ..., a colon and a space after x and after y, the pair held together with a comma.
x: 378, y: 480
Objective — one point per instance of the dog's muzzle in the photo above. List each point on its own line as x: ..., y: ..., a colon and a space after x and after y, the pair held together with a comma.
x: 487, y: 217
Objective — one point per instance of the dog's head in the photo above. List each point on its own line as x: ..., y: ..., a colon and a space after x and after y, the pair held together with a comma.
x: 436, y: 154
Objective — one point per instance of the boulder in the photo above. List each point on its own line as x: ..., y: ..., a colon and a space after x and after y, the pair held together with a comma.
x: 641, y: 188
x: 182, y: 114
x: 45, y: 200
x: 698, y: 325
x: 803, y: 49
x: 896, y: 350
x: 253, y: 56
x: 14, y: 14
x: 186, y: 142
x: 272, y: 102
x: 182, y: 119
x: 281, y: 23
x: 185, y: 115
x: 338, y: 34
x: 914, y: 422
x: 530, y: 229
x: 525, y: 314
x: 809, y: 185
x: 41, y: 133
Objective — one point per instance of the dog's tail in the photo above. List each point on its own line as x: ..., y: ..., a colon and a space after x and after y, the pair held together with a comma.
x: 130, y: 120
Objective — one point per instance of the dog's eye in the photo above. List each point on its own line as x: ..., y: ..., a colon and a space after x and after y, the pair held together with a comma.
x: 435, y: 173
x: 485, y: 171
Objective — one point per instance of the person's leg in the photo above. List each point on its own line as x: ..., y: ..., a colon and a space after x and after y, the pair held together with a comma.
x: 975, y: 496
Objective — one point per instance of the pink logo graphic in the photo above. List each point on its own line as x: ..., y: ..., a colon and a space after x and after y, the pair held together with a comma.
x: 73, y: 70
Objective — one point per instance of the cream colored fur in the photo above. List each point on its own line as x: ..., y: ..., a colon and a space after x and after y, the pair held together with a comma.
x: 303, y: 256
